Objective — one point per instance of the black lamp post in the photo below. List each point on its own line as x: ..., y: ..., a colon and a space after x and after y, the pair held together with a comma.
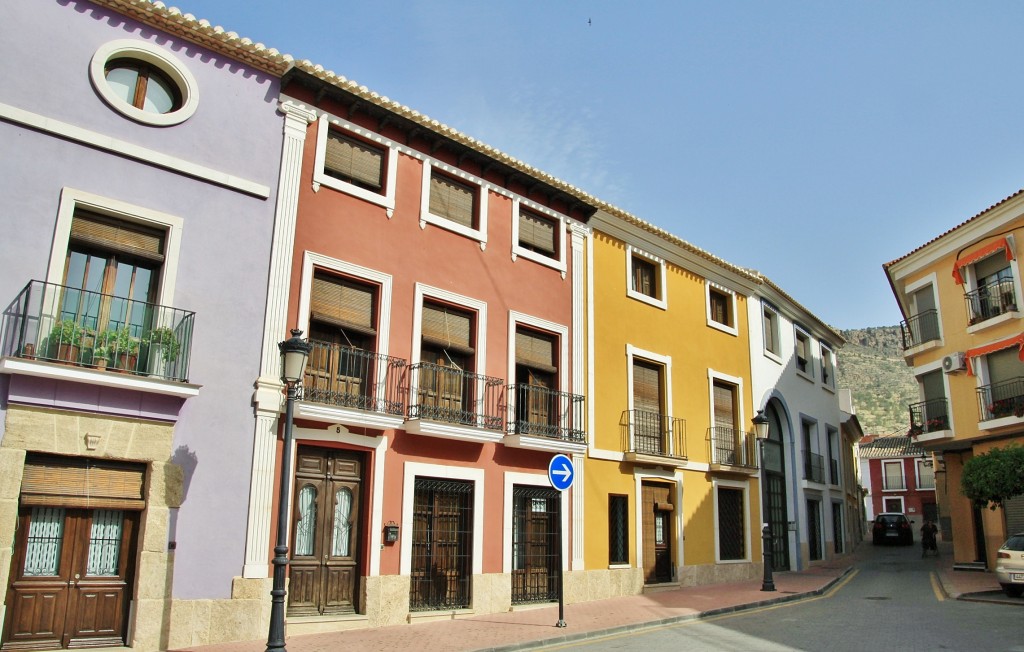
x: 294, y: 352
x: 761, y: 431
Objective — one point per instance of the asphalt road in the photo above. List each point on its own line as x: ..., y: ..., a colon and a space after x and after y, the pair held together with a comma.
x: 892, y: 601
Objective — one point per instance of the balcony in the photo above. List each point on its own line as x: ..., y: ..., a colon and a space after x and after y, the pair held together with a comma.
x: 929, y: 421
x: 814, y: 467
x: 653, y: 438
x: 731, y: 450
x: 351, y: 386
x: 545, y: 419
x: 990, y: 300
x: 920, y: 329
x: 1002, y: 400
x: 101, y: 334
x: 451, y: 403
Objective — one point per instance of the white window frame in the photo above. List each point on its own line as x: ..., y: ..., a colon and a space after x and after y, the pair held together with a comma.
x: 154, y: 55
x: 71, y: 200
x: 558, y: 261
x: 971, y: 284
x: 731, y: 296
x: 775, y: 323
x: 809, y: 373
x: 411, y: 471
x: 426, y: 217
x: 918, y: 464
x: 666, y: 362
x: 561, y: 331
x: 913, y: 288
x: 901, y: 510
x: 733, y: 484
x: 827, y: 355
x: 390, y: 173
x: 660, y: 301
x: 735, y: 381
x: 903, y: 474
x: 511, y: 479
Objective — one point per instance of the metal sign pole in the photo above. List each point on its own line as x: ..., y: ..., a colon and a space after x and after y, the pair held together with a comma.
x: 560, y: 475
x: 561, y: 574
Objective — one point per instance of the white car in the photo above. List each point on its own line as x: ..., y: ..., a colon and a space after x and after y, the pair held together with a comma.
x: 1010, y: 565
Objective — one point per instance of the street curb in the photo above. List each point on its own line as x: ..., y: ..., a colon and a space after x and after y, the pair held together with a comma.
x: 988, y: 598
x: 652, y: 624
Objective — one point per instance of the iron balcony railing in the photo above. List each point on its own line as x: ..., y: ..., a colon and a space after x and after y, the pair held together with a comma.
x: 653, y: 433
x: 928, y: 416
x: 72, y: 326
x: 732, y: 447
x: 348, y: 377
x: 990, y: 300
x: 893, y: 484
x: 546, y: 412
x: 922, y: 327
x: 451, y: 395
x: 833, y: 470
x: 814, y: 467
x: 1002, y: 399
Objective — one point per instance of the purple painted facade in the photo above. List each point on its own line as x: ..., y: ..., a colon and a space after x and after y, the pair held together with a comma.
x: 221, y: 265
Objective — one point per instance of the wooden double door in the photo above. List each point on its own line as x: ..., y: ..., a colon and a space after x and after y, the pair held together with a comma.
x: 71, y: 578
x: 326, y: 526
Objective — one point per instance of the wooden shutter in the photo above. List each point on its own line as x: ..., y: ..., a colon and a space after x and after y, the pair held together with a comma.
x: 646, y: 387
x: 343, y: 303
x: 719, y: 307
x: 535, y: 350
x: 354, y: 160
x: 116, y: 235
x: 725, y: 406
x: 536, y: 232
x: 447, y: 328
x: 452, y: 200
x: 82, y: 483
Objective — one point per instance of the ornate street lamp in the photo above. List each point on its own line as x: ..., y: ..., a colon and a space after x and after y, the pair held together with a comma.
x: 761, y: 431
x: 294, y: 352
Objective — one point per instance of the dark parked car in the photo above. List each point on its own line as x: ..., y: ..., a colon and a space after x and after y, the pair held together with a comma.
x: 892, y: 527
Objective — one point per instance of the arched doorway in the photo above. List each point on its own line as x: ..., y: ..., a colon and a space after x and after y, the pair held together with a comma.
x: 774, y: 479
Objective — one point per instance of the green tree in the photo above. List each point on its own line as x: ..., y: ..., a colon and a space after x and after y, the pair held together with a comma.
x: 990, y: 478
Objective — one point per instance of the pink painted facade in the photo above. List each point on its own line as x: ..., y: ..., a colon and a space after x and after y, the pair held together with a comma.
x: 445, y: 372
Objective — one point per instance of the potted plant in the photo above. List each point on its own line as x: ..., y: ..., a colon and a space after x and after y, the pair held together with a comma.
x: 100, y: 357
x: 163, y: 349
x: 123, y: 349
x: 65, y: 340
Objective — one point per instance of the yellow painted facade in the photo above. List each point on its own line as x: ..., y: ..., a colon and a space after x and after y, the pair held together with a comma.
x: 969, y: 316
x: 669, y: 331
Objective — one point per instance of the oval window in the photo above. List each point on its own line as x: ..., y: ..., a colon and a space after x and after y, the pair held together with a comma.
x: 144, y: 82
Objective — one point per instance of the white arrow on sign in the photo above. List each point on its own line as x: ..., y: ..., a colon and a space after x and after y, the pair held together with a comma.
x: 565, y: 472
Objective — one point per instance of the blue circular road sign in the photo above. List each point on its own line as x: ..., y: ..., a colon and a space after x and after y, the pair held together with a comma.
x: 560, y: 472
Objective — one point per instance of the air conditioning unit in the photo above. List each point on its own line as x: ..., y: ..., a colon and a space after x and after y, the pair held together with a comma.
x: 953, y: 363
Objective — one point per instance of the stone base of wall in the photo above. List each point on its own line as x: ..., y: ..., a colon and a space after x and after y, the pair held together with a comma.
x: 243, y: 617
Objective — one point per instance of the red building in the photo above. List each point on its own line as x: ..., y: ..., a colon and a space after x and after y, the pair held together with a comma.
x: 898, y: 477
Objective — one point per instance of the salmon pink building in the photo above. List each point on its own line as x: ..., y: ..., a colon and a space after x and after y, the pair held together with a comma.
x: 440, y: 285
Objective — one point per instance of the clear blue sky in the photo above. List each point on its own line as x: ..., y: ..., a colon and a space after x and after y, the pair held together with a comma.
x: 812, y: 141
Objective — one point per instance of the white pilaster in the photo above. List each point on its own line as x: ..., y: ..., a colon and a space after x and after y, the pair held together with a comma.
x: 267, y: 396
x: 579, y: 337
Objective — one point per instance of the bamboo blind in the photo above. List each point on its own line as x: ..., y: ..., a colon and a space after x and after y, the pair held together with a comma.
x: 535, y: 350
x: 646, y: 386
x: 448, y: 328
x: 83, y: 483
x: 451, y: 200
x: 355, y: 160
x: 536, y: 232
x: 120, y: 236
x: 343, y: 303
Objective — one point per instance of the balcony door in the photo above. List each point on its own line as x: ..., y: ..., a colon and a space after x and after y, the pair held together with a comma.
x: 446, y: 380
x: 647, y: 406
x: 326, y: 527
x: 536, y: 378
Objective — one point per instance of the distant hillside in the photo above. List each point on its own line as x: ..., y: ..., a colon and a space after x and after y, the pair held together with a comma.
x: 871, y: 365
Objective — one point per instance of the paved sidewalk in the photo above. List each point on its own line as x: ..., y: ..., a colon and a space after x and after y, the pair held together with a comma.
x: 533, y: 628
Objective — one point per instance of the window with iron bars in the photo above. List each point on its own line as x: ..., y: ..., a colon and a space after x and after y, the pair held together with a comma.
x: 535, y: 540
x: 618, y: 529
x: 442, y: 545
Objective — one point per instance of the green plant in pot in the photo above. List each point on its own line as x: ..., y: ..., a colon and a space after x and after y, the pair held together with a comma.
x: 164, y: 338
x: 65, y: 340
x: 101, y: 356
x: 122, y: 347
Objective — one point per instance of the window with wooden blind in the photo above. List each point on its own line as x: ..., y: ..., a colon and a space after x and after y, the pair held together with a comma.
x: 82, y: 483
x: 354, y: 161
x: 720, y: 307
x: 803, y: 353
x: 452, y: 200
x: 647, y: 382
x: 771, y: 331
x: 725, y: 405
x: 538, y: 233
x: 536, y: 402
x: 447, y: 328
x: 344, y: 303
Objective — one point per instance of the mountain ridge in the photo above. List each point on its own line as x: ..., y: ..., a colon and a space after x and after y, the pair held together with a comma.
x: 871, y: 366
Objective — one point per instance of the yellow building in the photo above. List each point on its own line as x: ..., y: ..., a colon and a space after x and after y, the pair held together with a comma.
x: 962, y: 334
x: 668, y: 486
